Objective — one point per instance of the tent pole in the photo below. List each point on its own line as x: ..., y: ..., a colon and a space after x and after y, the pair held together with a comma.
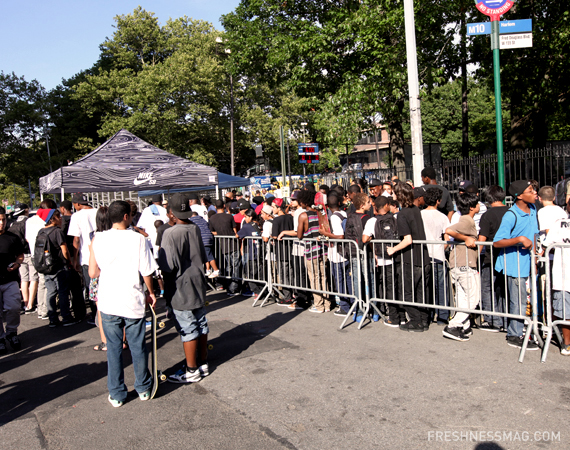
x: 42, y: 196
x: 217, y: 192
x: 62, y: 194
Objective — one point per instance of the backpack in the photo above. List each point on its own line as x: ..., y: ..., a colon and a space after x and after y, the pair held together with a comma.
x: 342, y: 219
x: 560, y: 192
x: 353, y: 231
x: 45, y: 261
x: 385, y: 229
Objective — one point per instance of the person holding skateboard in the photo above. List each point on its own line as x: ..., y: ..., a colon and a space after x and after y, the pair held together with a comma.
x: 119, y: 258
x: 181, y: 258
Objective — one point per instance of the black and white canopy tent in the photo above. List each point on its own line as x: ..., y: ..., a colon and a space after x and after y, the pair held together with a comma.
x: 127, y: 163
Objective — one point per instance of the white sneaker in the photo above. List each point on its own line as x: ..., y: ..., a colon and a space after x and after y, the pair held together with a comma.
x: 208, y: 272
x: 214, y: 274
x: 115, y: 403
x: 185, y: 376
x: 204, y: 370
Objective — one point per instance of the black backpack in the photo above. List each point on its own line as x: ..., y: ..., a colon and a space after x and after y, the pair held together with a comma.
x: 385, y: 229
x: 560, y: 192
x: 353, y: 231
x: 45, y: 261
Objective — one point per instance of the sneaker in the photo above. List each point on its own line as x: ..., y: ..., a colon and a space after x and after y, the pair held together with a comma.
x: 30, y: 310
x: 115, y: 403
x: 517, y: 342
x: 375, y: 317
x: 54, y: 323
x: 220, y: 288
x: 314, y: 309
x: 3, y: 349
x: 14, y: 341
x: 339, y: 312
x: 145, y: 395
x: 412, y: 327
x: 232, y: 294
x: 285, y: 302
x: 214, y: 274
x: 565, y: 350
x: 43, y: 317
x: 391, y: 324
x: 91, y: 321
x: 425, y: 326
x: 294, y: 306
x: 357, y: 317
x: 208, y: 272
x: 204, y: 370
x: 185, y: 376
x: 248, y: 294
x: 468, y: 331
x: 455, y: 333
x: 486, y: 326
x: 68, y: 322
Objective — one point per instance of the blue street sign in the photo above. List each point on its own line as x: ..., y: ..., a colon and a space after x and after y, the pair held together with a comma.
x: 505, y: 27
x: 475, y: 29
x: 515, y: 26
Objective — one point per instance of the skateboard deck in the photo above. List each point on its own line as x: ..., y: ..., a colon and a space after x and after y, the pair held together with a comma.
x: 321, y: 207
x: 157, y: 375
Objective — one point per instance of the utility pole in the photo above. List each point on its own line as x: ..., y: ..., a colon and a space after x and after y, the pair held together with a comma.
x: 414, y: 88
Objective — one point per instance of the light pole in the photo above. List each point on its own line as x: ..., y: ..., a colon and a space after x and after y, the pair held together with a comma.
x: 304, y: 124
x: 227, y: 51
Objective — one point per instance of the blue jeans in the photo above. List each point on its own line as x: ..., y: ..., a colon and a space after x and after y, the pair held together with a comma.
x: 356, y: 275
x: 517, y: 301
x: 134, y: 331
x: 341, y: 284
x: 441, y: 289
x: 58, y: 285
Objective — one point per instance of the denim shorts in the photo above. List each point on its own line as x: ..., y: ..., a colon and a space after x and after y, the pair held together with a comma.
x: 557, y: 308
x: 209, y: 254
x: 191, y: 324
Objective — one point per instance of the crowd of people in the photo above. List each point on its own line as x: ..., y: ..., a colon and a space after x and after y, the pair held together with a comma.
x: 68, y: 258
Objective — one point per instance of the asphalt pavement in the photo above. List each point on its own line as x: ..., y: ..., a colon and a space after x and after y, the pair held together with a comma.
x: 288, y: 379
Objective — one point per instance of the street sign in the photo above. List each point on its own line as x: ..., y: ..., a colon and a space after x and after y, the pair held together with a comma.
x: 515, y: 26
x: 519, y: 40
x: 494, y: 8
x: 308, y: 153
x: 505, y: 27
x: 476, y: 29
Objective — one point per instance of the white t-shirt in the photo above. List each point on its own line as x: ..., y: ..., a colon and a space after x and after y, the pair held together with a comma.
x: 560, y: 233
x: 83, y: 225
x: 146, y: 222
x: 369, y: 231
x: 33, y: 226
x: 122, y: 255
x: 336, y: 228
x: 435, y: 224
x: 548, y: 215
x: 201, y: 210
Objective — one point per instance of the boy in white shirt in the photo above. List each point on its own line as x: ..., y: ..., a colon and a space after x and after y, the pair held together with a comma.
x: 119, y: 257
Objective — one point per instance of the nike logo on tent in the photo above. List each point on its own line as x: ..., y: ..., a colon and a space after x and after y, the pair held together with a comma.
x: 136, y: 182
x: 143, y: 177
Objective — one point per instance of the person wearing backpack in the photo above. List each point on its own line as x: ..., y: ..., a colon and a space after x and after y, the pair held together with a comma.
x: 383, y: 226
x: 342, y: 284
x: 52, y: 259
x: 415, y: 270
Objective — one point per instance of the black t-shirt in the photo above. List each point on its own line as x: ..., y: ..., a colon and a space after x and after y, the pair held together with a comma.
x: 250, y: 245
x: 410, y: 223
x: 446, y: 204
x: 56, y: 238
x: 10, y: 248
x: 65, y: 228
x: 283, y: 223
x: 223, y: 224
x: 488, y: 226
x: 160, y: 231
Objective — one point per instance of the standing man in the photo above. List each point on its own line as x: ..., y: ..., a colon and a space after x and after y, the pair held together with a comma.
x: 11, y: 257
x: 150, y: 215
x: 197, y: 206
x: 82, y: 227
x: 446, y: 204
x: 119, y: 258
x: 181, y: 259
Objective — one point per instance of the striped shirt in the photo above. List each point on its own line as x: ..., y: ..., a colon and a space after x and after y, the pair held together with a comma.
x: 313, y: 249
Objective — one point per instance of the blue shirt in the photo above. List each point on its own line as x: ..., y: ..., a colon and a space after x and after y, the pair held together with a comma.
x: 516, y: 223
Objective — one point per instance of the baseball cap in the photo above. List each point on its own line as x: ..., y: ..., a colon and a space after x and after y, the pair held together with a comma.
x: 80, y: 199
x: 193, y: 196
x: 419, y: 192
x: 45, y: 214
x: 267, y: 210
x: 375, y: 182
x: 156, y: 198
x: 258, y: 199
x: 294, y: 195
x: 180, y: 207
x: 19, y: 209
x: 244, y: 204
x: 258, y: 209
x: 463, y: 185
x: 269, y: 194
x: 278, y: 202
x: 518, y: 187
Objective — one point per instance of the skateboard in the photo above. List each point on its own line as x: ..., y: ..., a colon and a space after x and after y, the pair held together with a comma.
x: 157, y: 375
x: 321, y: 207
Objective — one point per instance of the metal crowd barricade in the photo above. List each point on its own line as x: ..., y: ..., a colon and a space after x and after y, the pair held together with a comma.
x: 556, y: 297
x: 414, y: 285
x: 241, y: 261
x: 323, y: 267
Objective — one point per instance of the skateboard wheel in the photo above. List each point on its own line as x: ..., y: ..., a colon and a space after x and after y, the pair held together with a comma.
x: 207, y: 304
x: 162, y: 377
x: 161, y: 325
x: 210, y: 347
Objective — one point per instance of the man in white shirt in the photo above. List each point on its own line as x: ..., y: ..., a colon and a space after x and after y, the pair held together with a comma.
x: 82, y: 227
x: 119, y: 258
x: 195, y: 205
x: 149, y: 216
x: 549, y: 214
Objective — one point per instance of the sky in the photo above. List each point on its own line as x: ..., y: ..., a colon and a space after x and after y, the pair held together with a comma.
x: 48, y: 40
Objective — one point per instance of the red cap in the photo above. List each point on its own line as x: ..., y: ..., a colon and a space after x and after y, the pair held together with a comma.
x: 45, y: 214
x: 258, y: 209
